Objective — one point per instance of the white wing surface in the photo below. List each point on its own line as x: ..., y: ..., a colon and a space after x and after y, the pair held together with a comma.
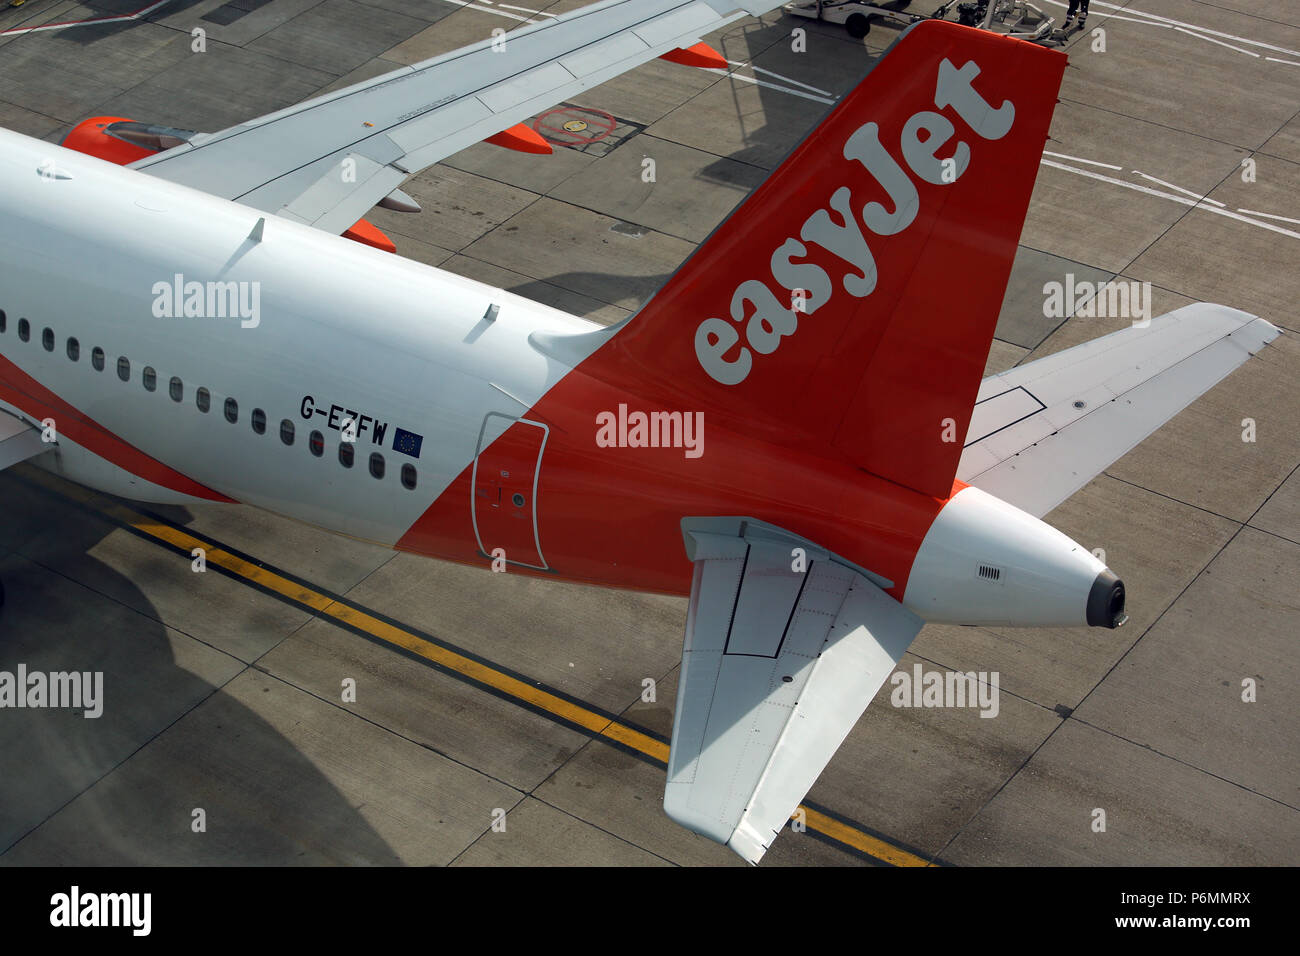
x: 1043, y: 430
x: 777, y: 667
x: 18, y: 440
x: 327, y: 161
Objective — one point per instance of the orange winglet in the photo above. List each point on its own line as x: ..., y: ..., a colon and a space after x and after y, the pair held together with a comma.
x: 369, y: 235
x: 701, y: 55
x: 520, y: 138
x: 89, y: 137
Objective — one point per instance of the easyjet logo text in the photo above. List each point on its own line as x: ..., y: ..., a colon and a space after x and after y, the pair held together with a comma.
x: 761, y: 316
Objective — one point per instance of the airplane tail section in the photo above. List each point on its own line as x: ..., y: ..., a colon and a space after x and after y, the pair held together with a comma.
x: 847, y: 306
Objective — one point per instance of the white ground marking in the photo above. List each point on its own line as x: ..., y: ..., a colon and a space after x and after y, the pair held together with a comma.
x: 99, y: 21
x: 499, y: 13
x: 738, y: 64
x: 540, y: 13
x: 1080, y: 159
x: 806, y: 86
x: 1192, y: 33
x: 771, y: 86
x: 1111, y: 16
x: 1174, y: 197
x: 1193, y: 194
x: 1268, y: 215
x: 1169, y: 21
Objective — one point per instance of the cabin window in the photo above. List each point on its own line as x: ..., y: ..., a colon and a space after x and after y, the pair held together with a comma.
x: 203, y: 400
x: 4, y: 322
x: 286, y: 431
x: 74, y: 349
x: 97, y: 358
x: 124, y: 368
x: 149, y: 378
x: 24, y: 329
x: 408, y: 476
x: 232, y: 410
x: 346, y: 454
x: 317, y: 444
x: 259, y: 421
x: 47, y: 340
x: 376, y: 465
x: 176, y: 389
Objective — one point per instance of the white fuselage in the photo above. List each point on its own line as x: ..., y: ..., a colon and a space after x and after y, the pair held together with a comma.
x: 357, y: 330
x: 430, y: 369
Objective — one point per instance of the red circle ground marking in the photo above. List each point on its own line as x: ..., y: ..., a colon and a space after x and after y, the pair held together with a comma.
x: 550, y: 125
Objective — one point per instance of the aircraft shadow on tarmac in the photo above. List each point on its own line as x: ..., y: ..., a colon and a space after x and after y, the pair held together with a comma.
x: 122, y: 788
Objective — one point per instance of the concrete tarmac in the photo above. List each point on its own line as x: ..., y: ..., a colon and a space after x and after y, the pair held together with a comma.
x: 481, y: 698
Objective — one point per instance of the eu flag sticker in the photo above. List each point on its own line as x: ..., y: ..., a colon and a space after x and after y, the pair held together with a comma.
x: 408, y: 443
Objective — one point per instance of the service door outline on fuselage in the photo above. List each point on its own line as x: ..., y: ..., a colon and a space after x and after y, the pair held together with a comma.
x: 513, y: 447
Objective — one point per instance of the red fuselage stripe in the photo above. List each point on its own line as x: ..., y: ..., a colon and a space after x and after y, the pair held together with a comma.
x: 39, y: 403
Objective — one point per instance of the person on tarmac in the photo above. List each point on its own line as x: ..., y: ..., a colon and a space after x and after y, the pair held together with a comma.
x: 1083, y: 14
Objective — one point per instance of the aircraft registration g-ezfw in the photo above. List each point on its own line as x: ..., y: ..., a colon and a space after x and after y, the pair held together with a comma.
x: 778, y: 432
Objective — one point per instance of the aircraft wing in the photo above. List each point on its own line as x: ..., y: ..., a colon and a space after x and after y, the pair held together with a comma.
x: 327, y: 161
x: 777, y: 667
x: 18, y: 440
x: 1041, y: 431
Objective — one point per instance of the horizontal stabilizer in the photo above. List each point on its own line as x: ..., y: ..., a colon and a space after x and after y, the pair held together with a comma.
x: 1043, y: 430
x: 783, y: 653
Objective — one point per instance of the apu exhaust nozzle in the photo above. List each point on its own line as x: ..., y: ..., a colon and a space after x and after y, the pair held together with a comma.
x: 985, y: 561
x: 1106, y: 601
